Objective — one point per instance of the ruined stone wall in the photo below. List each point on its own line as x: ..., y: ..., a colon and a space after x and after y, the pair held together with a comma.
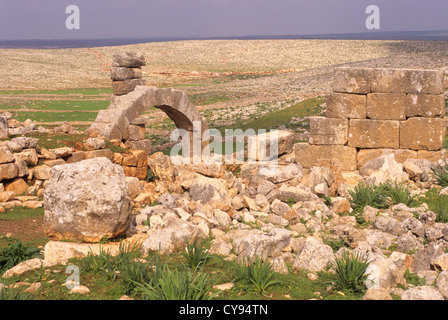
x: 372, y: 112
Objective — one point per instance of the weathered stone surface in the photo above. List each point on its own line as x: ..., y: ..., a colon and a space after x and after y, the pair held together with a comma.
x: 128, y: 59
x: 383, y: 169
x: 103, y: 153
x: 42, y: 172
x: 374, y: 134
x: 124, y: 87
x: 269, y: 145
x: 59, y: 252
x: 95, y: 144
x: 422, y: 134
x: 425, y: 105
x: 137, y: 132
x: 8, y: 171
x: 314, y: 255
x: 377, y: 294
x: 6, y: 155
x: 352, y: 80
x: 386, y: 106
x: 161, y: 166
x: 401, y: 155
x: 418, y: 169
x: 263, y: 246
x: 87, y: 201
x: 175, y: 236
x: 113, y: 122
x: 122, y: 73
x: 407, y: 81
x: 328, y: 131
x: 346, y: 106
x: 4, y: 134
x: 308, y: 155
x: 383, y: 274
x: 279, y: 174
x: 208, y: 190
x: 29, y: 156
x: 433, y: 156
x: 18, y: 186
x: 442, y: 283
x: 23, y: 267
x: 422, y: 293
x: 144, y: 145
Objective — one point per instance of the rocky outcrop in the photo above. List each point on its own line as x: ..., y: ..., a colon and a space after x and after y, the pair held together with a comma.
x: 87, y: 201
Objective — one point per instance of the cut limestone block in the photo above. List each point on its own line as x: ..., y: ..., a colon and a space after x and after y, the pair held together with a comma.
x: 308, y: 155
x: 352, y: 80
x: 9, y: 171
x: 433, y: 156
x: 328, y: 131
x: 269, y: 145
x: 425, y: 105
x: 401, y: 155
x: 407, y: 81
x: 129, y: 60
x: 386, y: 106
x: 144, y: 145
x: 374, y: 134
x: 348, y: 106
x: 124, y: 87
x: 122, y: 73
x: 422, y: 133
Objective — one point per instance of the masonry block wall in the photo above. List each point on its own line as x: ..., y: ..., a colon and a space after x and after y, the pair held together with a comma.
x: 372, y: 112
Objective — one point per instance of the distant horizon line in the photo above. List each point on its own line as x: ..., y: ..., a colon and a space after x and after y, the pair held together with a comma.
x: 427, y: 35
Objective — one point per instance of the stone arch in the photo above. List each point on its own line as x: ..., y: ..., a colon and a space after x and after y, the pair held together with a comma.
x: 117, y: 121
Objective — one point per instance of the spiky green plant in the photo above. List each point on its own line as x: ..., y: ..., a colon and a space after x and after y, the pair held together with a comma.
x: 350, y: 271
x: 437, y: 203
x: 365, y: 194
x: 196, y: 254
x: 258, y: 273
x: 176, y: 285
x: 15, y: 253
x: 400, y: 193
x: 440, y: 173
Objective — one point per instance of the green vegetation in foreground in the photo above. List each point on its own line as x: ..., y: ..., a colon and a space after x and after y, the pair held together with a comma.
x: 171, y: 277
x: 437, y: 203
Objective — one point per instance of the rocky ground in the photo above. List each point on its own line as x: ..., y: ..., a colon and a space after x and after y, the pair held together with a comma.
x: 294, y: 217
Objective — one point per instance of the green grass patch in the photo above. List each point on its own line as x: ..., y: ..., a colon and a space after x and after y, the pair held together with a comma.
x: 83, y: 91
x: 277, y: 118
x: 56, y: 116
x: 437, y: 203
x: 19, y: 213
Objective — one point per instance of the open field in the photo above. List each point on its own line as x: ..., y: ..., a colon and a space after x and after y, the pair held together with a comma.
x: 247, y: 77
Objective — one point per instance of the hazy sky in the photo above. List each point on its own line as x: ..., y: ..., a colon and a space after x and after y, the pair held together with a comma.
x: 45, y: 19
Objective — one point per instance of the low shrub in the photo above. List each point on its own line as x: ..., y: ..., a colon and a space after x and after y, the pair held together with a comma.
x: 16, y: 253
x: 350, y: 272
x: 259, y: 274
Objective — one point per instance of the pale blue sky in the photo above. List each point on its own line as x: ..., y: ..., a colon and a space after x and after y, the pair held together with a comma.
x: 45, y: 19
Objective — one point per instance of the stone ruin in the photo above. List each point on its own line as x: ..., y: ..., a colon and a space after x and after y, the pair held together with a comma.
x: 374, y: 112
x: 124, y: 120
